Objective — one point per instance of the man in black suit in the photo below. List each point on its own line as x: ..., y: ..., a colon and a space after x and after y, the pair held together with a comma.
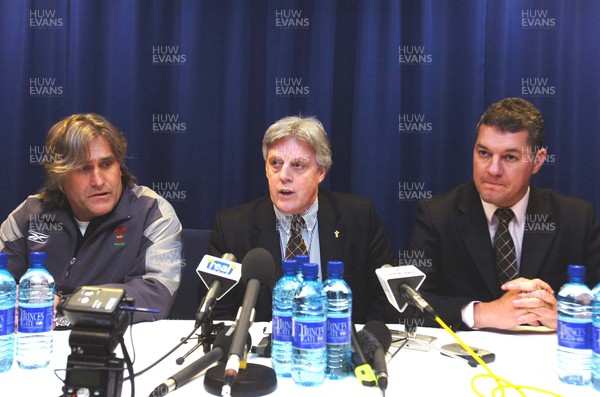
x: 477, y: 275
x: 335, y: 226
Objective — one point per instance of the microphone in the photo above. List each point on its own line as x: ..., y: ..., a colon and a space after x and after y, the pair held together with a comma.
x: 257, y: 267
x: 416, y: 300
x: 362, y: 369
x: 393, y: 278
x: 375, y: 339
x: 192, y: 371
x: 220, y: 275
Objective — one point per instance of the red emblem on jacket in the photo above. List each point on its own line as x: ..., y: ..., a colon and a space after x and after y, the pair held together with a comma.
x: 119, y: 236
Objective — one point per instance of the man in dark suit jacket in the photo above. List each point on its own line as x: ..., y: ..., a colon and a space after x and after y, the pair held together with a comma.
x: 455, y: 232
x: 337, y: 226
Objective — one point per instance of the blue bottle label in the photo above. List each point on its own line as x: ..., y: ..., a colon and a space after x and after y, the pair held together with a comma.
x: 596, y: 338
x: 338, y: 329
x: 36, y: 319
x: 309, y: 334
x: 574, y: 333
x: 282, y: 328
x: 7, y: 321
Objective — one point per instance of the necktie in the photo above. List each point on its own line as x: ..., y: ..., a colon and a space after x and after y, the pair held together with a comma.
x: 506, y: 257
x: 296, y: 245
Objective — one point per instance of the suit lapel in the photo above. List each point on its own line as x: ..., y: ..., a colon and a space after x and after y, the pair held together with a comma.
x: 265, y: 233
x: 475, y: 233
x: 332, y: 232
x: 539, y: 234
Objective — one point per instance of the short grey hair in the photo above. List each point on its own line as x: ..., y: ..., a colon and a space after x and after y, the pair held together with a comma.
x: 308, y: 129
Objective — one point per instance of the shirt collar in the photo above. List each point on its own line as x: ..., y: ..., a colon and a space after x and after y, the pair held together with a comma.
x: 284, y: 221
x: 519, y: 209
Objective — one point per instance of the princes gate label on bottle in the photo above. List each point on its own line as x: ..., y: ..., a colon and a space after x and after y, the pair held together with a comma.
x: 34, y: 318
x: 309, y: 330
x: 282, y: 328
x: 310, y: 335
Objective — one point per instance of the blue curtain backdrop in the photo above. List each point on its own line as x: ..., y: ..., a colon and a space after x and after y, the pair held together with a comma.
x: 399, y: 86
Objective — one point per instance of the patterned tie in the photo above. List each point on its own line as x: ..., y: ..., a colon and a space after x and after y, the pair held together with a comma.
x: 296, y: 245
x: 506, y: 257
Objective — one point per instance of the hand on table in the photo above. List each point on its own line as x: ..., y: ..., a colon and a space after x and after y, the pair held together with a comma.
x: 526, y: 301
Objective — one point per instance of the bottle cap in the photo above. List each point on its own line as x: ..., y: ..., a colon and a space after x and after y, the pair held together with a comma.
x: 289, y: 266
x: 335, y: 268
x: 37, y: 258
x: 576, y: 271
x: 310, y: 270
x: 301, y: 259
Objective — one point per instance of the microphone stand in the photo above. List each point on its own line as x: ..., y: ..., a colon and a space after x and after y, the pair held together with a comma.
x: 422, y: 342
x: 206, y: 338
x: 414, y: 341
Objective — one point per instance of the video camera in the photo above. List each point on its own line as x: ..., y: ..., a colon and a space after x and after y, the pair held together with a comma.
x: 98, y: 324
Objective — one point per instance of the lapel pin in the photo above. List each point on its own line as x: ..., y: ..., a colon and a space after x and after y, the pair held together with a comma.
x: 337, y: 234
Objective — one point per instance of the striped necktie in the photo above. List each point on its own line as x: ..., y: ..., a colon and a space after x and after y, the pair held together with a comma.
x: 506, y: 257
x: 296, y: 245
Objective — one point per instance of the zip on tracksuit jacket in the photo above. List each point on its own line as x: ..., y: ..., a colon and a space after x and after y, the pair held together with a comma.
x: 137, y: 246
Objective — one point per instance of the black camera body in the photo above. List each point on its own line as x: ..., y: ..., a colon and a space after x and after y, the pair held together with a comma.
x: 98, y: 325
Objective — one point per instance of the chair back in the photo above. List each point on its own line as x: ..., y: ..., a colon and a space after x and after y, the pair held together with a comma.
x: 191, y: 288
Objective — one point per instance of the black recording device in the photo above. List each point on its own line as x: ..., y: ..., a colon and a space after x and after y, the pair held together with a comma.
x: 263, y: 349
x: 98, y: 324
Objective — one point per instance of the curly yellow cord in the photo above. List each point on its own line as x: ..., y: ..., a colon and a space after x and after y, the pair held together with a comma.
x: 503, y: 384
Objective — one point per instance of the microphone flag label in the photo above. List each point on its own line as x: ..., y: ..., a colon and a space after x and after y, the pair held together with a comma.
x: 227, y: 272
x: 391, y: 277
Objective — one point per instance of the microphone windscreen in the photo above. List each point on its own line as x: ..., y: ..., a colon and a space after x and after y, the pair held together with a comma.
x: 381, y: 332
x: 368, y: 344
x: 258, y: 263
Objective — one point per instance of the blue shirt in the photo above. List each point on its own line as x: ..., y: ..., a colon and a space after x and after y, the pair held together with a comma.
x: 310, y: 234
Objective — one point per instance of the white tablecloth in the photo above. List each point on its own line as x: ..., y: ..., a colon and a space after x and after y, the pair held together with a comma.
x: 522, y: 357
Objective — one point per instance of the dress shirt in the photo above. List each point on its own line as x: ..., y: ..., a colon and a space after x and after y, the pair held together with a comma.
x: 516, y: 227
x: 310, y: 234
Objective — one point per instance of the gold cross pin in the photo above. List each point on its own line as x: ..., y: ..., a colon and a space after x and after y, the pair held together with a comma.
x: 337, y: 234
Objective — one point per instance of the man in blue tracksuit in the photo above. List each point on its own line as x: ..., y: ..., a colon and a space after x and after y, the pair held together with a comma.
x: 95, y: 224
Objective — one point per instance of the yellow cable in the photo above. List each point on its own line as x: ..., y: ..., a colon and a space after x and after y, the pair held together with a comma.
x: 503, y: 384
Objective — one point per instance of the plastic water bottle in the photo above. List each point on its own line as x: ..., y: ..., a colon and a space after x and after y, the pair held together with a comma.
x: 574, y: 329
x: 596, y: 337
x: 283, y: 299
x: 300, y: 261
x: 339, y: 322
x: 309, y: 323
x: 8, y: 297
x: 36, y: 311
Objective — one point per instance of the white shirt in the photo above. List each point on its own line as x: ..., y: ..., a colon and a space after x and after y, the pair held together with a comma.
x: 82, y: 226
x: 516, y: 227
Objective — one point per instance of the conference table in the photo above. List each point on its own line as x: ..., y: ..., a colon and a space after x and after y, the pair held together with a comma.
x: 524, y: 356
